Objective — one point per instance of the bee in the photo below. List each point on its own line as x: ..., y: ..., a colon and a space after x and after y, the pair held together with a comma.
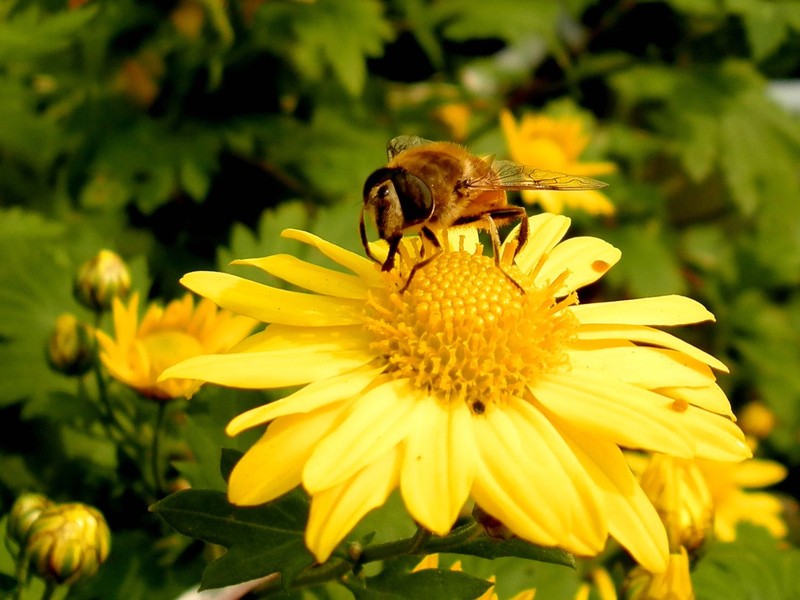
x: 429, y: 187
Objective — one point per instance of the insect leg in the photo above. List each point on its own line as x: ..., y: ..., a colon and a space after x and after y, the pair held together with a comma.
x: 437, y: 250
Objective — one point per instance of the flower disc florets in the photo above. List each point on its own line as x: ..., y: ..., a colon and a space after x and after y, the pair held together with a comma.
x: 463, y: 330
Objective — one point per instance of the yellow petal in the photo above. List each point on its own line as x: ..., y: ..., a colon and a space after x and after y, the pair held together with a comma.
x: 542, y: 439
x: 511, y: 489
x: 438, y: 464
x: 335, y: 511
x: 273, y: 305
x: 361, y: 266
x: 309, y: 276
x: 715, y: 437
x: 710, y: 398
x: 274, y: 464
x: 759, y: 473
x: 546, y: 230
x: 644, y: 366
x: 659, y: 310
x: 311, y: 339
x: 633, y: 521
x: 586, y: 259
x: 377, y: 422
x: 648, y: 335
x: 254, y: 370
x: 622, y: 413
x: 312, y: 397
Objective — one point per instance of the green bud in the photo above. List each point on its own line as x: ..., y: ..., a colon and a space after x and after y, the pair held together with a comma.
x: 70, y: 348
x: 25, y: 510
x: 68, y: 542
x: 101, y: 279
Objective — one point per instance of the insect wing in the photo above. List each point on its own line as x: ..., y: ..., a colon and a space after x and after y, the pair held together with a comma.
x: 506, y: 174
x: 404, y: 142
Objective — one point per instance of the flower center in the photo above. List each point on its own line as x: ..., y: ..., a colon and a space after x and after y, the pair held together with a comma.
x: 462, y: 330
x: 167, y: 348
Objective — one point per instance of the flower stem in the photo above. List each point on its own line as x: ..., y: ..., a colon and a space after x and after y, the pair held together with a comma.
x: 155, y: 450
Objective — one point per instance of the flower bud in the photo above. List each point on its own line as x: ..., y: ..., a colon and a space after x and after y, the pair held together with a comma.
x: 70, y: 349
x: 24, y: 512
x: 673, y: 584
x: 680, y: 494
x: 101, y: 279
x: 68, y: 542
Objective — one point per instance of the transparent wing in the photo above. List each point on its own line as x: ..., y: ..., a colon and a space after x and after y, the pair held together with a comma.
x: 509, y: 175
x: 404, y: 142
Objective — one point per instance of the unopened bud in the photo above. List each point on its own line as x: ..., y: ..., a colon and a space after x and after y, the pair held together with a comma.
x: 101, y: 279
x: 673, y: 584
x: 68, y: 542
x: 70, y: 348
x: 25, y: 510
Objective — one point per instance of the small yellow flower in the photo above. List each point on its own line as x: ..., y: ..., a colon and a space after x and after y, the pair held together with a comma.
x: 139, y: 352
x: 555, y: 144
x: 673, y: 584
x: 462, y: 385
x: 735, y: 501
x: 682, y: 498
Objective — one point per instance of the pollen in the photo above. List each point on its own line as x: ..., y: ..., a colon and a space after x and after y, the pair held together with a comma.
x: 463, y: 330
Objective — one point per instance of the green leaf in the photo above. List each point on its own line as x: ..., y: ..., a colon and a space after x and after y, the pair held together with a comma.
x: 487, y: 547
x: 755, y: 566
x: 328, y: 33
x: 508, y: 20
x: 260, y: 540
x: 427, y: 584
x: 31, y: 33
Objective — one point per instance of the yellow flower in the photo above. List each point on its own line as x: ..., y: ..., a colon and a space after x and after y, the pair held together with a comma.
x: 139, y: 352
x: 734, y: 502
x: 694, y: 496
x: 673, y: 584
x: 679, y: 492
x: 464, y: 385
x: 556, y: 145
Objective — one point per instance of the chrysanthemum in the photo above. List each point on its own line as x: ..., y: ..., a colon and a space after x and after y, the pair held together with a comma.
x: 431, y: 561
x: 138, y: 353
x: 736, y: 498
x: 464, y: 385
x: 675, y: 583
x: 556, y: 145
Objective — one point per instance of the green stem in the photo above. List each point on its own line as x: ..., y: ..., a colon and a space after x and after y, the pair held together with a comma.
x: 155, y: 450
x: 49, y: 590
x: 410, y: 545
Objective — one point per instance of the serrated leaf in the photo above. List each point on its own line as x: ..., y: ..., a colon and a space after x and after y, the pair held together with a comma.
x: 328, y: 33
x: 427, y: 584
x: 486, y: 547
x: 508, y: 20
x: 31, y: 33
x: 260, y: 540
x: 755, y: 566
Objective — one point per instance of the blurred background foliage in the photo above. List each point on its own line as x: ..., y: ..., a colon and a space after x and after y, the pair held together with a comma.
x: 184, y: 134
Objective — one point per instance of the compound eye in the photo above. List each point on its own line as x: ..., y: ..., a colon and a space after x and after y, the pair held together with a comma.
x: 416, y: 200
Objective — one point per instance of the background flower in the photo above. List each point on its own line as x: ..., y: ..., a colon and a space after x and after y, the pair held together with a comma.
x: 138, y: 353
x: 555, y: 144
